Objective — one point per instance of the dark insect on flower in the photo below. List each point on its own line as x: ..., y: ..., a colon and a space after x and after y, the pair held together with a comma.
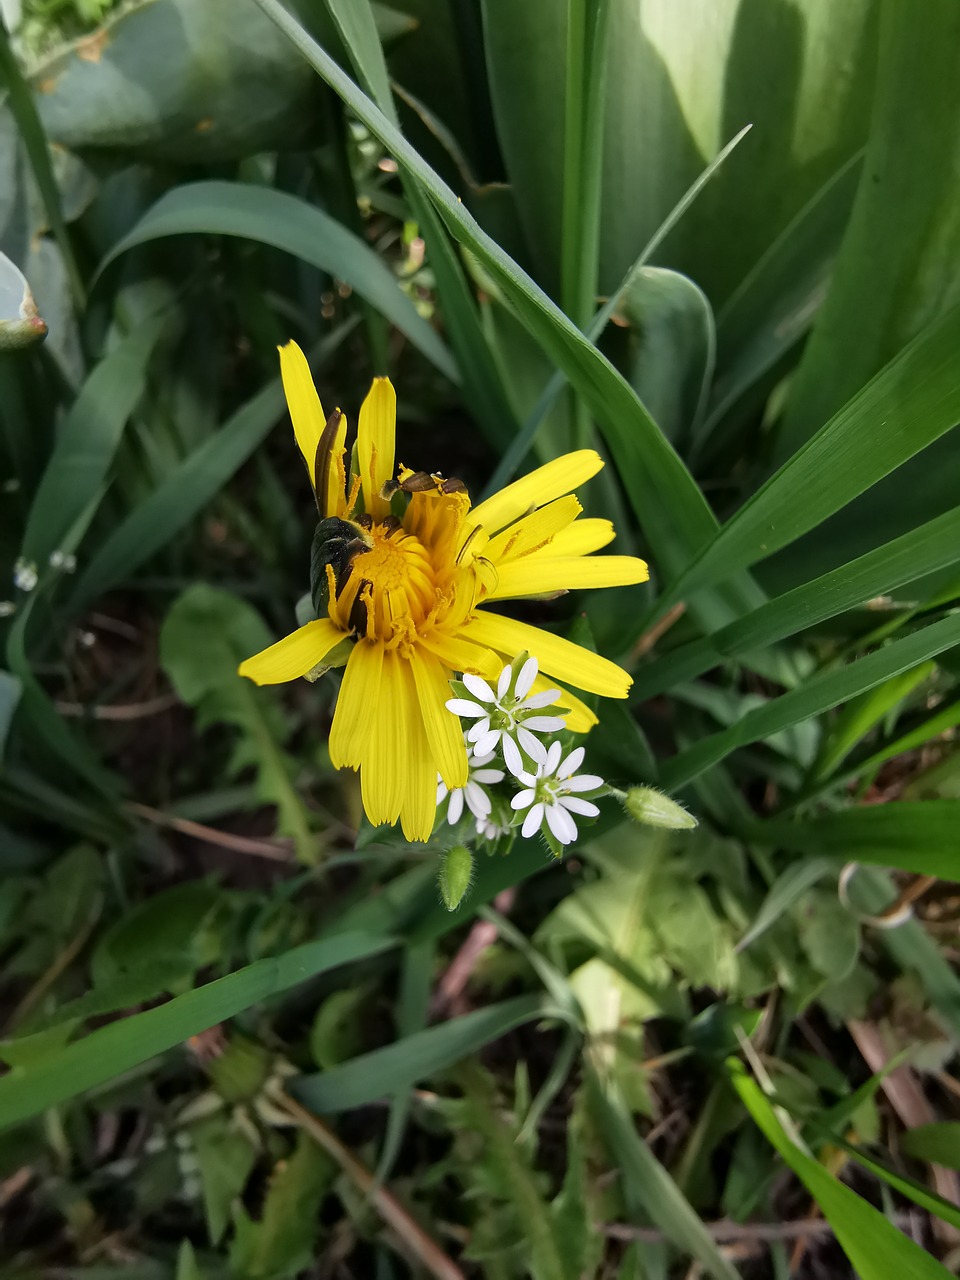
x: 336, y: 543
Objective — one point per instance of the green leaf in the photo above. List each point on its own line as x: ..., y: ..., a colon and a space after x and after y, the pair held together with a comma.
x: 787, y: 889
x: 862, y: 714
x: 225, y: 1158
x: 169, y: 930
x: 934, y: 1143
x: 77, y: 472
x: 649, y: 1191
x: 10, y: 690
x: 205, y: 637
x: 187, y: 1268
x: 934, y: 546
x: 282, y: 1242
x: 285, y: 222
x: 116, y: 1048
x: 870, y: 314
x: 908, y: 405
x: 816, y: 695
x: 416, y: 1057
x: 874, y: 1246
x: 921, y: 837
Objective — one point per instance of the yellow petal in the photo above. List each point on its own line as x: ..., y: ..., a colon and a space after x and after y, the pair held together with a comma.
x: 381, y: 775
x: 533, y: 531
x: 458, y: 654
x: 550, y: 481
x: 579, y: 717
x: 303, y: 402
x: 444, y: 734
x: 376, y: 442
x: 581, y: 538
x: 556, y: 656
x: 294, y: 655
x: 541, y: 575
x: 418, y: 808
x: 334, y: 498
x: 354, y: 720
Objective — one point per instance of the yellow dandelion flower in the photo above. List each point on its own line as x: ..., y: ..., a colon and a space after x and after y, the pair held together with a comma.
x: 409, y: 593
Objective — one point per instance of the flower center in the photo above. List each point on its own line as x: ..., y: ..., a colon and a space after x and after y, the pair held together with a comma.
x: 391, y: 589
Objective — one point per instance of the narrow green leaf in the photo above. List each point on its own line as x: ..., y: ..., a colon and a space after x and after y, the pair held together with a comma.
x: 813, y: 697
x: 908, y: 405
x: 787, y: 889
x: 79, y: 466
x: 934, y: 1143
x: 10, y: 691
x: 122, y: 1045
x: 381, y: 1073
x: 918, y: 836
x: 862, y: 714
x: 285, y: 222
x: 932, y: 547
x: 874, y: 1246
x: 648, y: 1184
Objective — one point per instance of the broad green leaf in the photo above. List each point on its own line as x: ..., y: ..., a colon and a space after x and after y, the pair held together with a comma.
x: 671, y: 347
x: 913, y: 401
x: 934, y: 546
x: 288, y: 223
x: 906, y: 217
x: 935, y: 1143
x: 78, y: 469
x: 116, y: 1048
x: 922, y: 837
x: 874, y: 1246
x: 381, y: 1073
x: 816, y: 695
x: 232, y: 97
x: 205, y: 637
x: 225, y: 1157
x: 187, y: 489
x: 906, y: 1186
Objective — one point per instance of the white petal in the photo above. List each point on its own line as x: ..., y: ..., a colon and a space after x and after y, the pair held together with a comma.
x: 441, y: 791
x: 477, y: 762
x: 455, y: 807
x: 531, y: 745
x: 561, y: 824
x: 503, y: 684
x: 511, y: 755
x: 544, y: 724
x: 477, y: 731
x: 478, y: 801
x: 572, y: 763
x: 584, y: 782
x: 479, y: 687
x: 523, y: 798
x: 552, y: 760
x: 542, y: 699
x: 488, y: 741
x: 528, y: 673
x: 531, y: 823
x: 487, y: 776
x: 461, y: 707
x: 576, y: 805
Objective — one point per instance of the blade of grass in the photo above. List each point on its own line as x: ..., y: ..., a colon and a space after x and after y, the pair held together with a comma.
x: 287, y: 223
x: 874, y: 1246
x: 932, y: 547
x: 918, y: 836
x: 483, y: 385
x: 913, y: 401
x: 108, y: 1052
x: 815, y: 696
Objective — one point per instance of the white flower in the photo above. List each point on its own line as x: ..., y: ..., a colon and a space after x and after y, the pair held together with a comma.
x: 548, y: 795
x: 477, y: 800
x: 24, y: 575
x: 508, y: 717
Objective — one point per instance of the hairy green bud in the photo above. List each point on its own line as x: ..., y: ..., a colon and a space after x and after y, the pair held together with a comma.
x: 456, y: 875
x: 651, y: 808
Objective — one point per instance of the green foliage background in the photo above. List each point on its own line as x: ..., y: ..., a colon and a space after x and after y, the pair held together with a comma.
x: 233, y: 1046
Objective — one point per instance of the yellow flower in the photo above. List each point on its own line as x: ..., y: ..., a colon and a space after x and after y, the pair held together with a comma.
x: 413, y: 599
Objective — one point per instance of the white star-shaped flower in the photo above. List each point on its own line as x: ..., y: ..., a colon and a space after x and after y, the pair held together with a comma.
x: 549, y: 795
x: 473, y: 793
x: 508, y: 717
